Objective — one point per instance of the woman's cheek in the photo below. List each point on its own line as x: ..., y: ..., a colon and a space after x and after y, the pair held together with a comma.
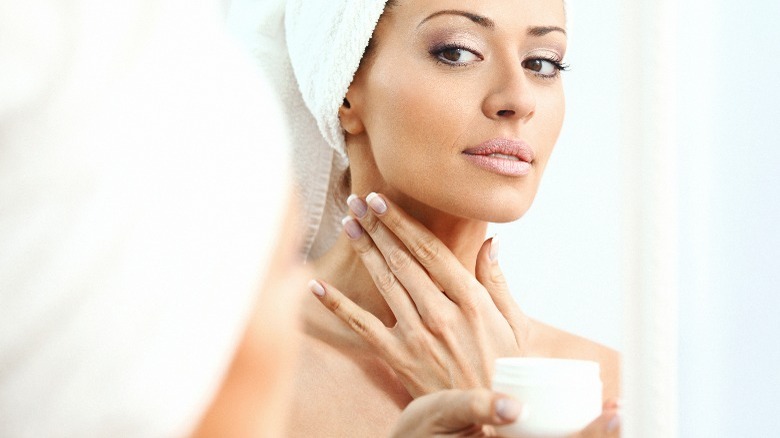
x: 415, y: 129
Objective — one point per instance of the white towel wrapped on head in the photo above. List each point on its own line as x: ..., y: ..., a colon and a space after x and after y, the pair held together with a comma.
x: 311, y: 50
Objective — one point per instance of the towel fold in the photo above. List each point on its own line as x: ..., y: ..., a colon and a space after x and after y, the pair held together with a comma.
x: 310, y: 50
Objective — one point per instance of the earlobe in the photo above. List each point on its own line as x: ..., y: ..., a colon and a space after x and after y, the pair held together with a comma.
x: 349, y: 117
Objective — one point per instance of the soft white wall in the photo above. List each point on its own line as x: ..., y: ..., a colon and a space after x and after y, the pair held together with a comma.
x: 730, y: 185
x: 722, y: 356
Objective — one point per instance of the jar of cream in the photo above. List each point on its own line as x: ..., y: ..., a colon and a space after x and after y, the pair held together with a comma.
x: 560, y: 397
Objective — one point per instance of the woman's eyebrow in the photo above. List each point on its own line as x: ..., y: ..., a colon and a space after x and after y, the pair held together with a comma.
x: 479, y: 19
x: 536, y: 31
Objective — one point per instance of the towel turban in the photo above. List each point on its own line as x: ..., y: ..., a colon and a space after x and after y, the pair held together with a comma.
x: 311, y: 50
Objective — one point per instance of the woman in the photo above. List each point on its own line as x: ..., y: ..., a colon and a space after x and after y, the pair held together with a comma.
x: 448, y: 123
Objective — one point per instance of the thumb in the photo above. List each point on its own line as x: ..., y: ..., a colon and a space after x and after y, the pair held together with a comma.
x: 465, y: 408
x: 489, y: 273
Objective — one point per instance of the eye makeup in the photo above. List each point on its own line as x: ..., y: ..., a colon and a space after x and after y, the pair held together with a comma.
x: 453, y: 46
x: 452, y: 54
x: 544, y: 63
x: 460, y: 45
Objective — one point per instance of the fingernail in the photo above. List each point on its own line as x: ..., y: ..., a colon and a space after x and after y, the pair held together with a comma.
x: 352, y: 228
x: 613, y: 424
x: 376, y: 203
x: 494, y: 246
x: 316, y: 288
x: 509, y: 410
x: 618, y: 404
x: 357, y: 206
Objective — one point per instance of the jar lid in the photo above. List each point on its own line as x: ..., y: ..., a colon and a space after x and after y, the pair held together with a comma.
x: 542, y: 370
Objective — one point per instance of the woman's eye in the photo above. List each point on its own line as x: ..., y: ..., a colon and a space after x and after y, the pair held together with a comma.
x: 456, y: 55
x: 543, y: 67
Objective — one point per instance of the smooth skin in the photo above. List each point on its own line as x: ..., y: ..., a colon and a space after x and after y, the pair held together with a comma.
x: 437, y: 83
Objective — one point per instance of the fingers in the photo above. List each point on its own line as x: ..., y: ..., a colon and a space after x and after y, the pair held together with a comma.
x: 611, y: 404
x: 488, y: 272
x: 383, y: 276
x: 384, y: 255
x: 461, y: 408
x: 364, y: 323
x: 482, y: 406
x: 607, y: 425
x: 456, y: 413
x: 425, y: 247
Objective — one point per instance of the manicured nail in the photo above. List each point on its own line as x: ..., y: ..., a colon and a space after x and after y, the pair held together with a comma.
x: 352, y: 228
x: 510, y: 410
x: 357, y: 206
x: 494, y: 246
x: 316, y: 288
x: 613, y: 424
x: 376, y: 203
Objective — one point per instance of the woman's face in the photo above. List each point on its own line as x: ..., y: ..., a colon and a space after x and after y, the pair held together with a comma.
x: 460, y: 104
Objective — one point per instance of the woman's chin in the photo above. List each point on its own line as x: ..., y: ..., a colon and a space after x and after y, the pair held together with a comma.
x: 498, y: 212
x: 498, y: 208
x: 503, y: 205
x: 505, y: 215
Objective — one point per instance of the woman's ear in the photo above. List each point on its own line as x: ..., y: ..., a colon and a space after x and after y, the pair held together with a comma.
x: 349, y: 114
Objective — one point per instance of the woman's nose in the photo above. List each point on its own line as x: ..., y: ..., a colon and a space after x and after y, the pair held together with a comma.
x: 511, y: 95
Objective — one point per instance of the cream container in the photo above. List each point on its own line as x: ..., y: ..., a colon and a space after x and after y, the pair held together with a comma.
x: 559, y: 396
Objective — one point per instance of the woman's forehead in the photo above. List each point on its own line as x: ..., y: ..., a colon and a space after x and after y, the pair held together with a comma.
x: 502, y: 13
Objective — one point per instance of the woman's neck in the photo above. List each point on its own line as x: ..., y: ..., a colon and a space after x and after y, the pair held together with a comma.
x: 342, y: 267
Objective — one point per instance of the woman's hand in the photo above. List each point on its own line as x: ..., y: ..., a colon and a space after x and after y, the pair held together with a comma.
x: 459, y: 413
x: 450, y: 325
x: 456, y: 413
x: 607, y: 425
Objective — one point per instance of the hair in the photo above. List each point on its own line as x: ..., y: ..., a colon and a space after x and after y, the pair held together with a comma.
x: 371, y: 47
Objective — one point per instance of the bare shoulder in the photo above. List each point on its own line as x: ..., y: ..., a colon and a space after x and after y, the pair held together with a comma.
x: 548, y: 341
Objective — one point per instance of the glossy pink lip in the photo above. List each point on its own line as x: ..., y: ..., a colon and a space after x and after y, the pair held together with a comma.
x: 517, y: 160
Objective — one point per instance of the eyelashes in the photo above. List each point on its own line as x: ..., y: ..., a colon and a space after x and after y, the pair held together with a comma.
x: 544, y: 67
x: 461, y: 55
x: 453, y: 54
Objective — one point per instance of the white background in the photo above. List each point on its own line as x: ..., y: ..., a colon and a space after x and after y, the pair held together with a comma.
x: 729, y: 140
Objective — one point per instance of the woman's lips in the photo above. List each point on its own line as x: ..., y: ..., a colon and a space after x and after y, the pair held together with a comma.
x: 502, y: 156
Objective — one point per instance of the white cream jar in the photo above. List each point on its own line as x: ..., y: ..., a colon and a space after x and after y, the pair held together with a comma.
x: 559, y: 396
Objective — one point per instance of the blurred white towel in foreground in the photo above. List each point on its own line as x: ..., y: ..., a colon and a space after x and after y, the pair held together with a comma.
x: 135, y: 213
